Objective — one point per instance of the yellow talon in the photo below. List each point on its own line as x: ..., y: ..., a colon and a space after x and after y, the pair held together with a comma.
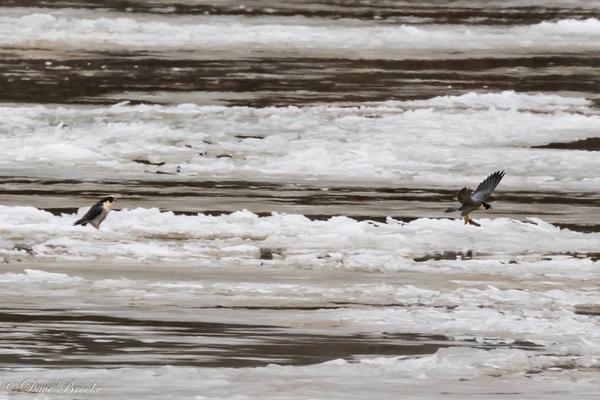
x: 466, y: 218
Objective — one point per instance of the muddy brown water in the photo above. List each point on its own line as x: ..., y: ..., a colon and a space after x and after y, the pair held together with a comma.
x: 38, y: 330
x: 573, y: 210
x: 452, y: 12
x: 90, y: 339
x: 90, y: 334
x: 107, y: 78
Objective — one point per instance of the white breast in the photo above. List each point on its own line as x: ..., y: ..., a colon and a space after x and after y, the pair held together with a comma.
x: 107, y: 206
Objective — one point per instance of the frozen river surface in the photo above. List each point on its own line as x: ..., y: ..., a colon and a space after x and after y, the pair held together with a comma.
x: 281, y: 170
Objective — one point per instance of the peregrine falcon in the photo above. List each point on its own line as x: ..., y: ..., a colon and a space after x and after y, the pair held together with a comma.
x: 471, y: 201
x: 97, y: 213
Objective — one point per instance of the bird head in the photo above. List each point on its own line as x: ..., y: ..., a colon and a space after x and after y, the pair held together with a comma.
x: 110, y: 199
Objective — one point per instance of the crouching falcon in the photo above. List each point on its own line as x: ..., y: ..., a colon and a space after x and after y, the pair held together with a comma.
x: 97, y: 213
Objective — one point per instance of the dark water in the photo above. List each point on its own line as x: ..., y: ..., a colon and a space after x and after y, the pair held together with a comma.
x: 235, y: 78
x: 573, y: 210
x: 450, y: 12
x: 105, y: 78
x: 62, y: 341
x: 43, y: 331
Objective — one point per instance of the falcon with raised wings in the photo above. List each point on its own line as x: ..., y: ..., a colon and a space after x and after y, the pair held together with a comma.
x: 471, y: 201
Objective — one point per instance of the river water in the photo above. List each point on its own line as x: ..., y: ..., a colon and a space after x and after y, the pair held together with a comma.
x: 281, y: 171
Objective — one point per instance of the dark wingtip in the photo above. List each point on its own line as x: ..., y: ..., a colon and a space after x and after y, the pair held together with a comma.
x: 499, y: 175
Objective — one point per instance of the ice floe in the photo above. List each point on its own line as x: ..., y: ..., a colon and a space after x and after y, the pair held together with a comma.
x: 342, y: 241
x: 73, y: 29
x: 448, y: 374
x: 444, y: 141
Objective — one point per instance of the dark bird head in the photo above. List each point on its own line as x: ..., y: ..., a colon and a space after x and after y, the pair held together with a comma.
x: 110, y: 199
x: 487, y: 206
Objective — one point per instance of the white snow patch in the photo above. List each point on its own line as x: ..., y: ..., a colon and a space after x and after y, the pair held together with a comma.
x: 413, y: 143
x: 104, y: 30
x: 342, y: 241
x: 37, y: 276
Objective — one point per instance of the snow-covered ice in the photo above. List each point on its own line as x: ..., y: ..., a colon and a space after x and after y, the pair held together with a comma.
x: 77, y: 30
x: 444, y: 141
x: 150, y: 234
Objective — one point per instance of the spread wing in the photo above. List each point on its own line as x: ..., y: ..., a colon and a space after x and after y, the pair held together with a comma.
x: 464, y: 196
x: 485, y: 188
x: 93, y: 212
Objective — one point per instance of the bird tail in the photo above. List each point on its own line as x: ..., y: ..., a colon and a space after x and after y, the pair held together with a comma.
x: 452, y: 209
x: 80, y: 222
